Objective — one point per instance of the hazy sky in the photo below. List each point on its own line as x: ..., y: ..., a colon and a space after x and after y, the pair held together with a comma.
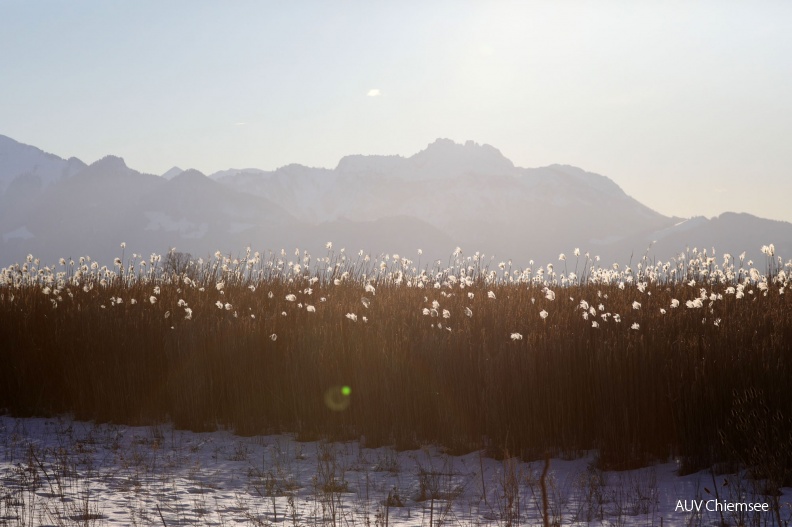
x: 686, y: 105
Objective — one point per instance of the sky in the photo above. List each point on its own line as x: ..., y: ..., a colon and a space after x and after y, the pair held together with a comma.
x: 686, y: 105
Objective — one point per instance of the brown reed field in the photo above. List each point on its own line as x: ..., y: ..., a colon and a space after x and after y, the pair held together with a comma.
x: 689, y: 359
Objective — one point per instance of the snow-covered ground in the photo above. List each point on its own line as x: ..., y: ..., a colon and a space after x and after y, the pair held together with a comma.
x: 65, y: 472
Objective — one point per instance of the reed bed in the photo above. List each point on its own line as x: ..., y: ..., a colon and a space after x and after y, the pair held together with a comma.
x: 688, y: 359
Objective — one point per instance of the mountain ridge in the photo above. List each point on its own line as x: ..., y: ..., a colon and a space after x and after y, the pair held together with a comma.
x: 18, y: 159
x: 446, y: 195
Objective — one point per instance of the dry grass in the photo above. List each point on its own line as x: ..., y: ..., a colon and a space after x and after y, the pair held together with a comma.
x: 61, y: 472
x: 224, y: 343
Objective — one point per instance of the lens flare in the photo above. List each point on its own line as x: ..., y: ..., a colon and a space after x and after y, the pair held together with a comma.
x: 337, y: 398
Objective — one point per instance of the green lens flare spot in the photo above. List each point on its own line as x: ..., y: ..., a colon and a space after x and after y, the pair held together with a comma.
x: 337, y: 398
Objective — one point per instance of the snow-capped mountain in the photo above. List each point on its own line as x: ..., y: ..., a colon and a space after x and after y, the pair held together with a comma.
x: 447, y: 195
x: 471, y: 192
x: 27, y: 166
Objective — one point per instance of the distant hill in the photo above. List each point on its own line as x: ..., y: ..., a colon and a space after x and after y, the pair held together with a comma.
x: 20, y: 164
x: 444, y: 196
x: 172, y: 173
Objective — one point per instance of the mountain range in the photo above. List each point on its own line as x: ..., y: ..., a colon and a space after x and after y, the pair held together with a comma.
x: 447, y: 195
